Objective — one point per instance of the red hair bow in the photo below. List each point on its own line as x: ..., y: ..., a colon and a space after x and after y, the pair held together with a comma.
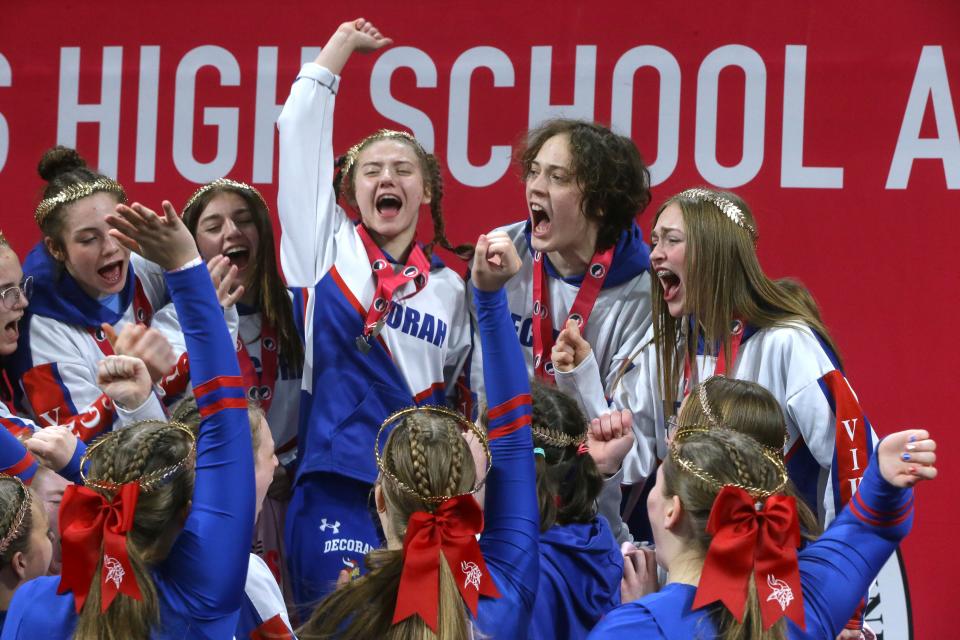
x: 451, y: 531
x: 750, y: 538
x: 90, y: 529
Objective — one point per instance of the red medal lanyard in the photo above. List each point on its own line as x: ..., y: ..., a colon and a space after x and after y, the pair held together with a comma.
x: 736, y: 336
x: 583, y: 304
x: 260, y: 385
x: 388, y: 281
x: 142, y: 314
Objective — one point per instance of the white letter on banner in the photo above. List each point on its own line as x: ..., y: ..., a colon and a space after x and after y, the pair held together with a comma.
x: 458, y: 134
x: 584, y: 86
x: 754, y: 109
x: 792, y: 171
x: 226, y: 119
x: 383, y: 101
x: 668, y: 116
x: 147, y: 98
x: 107, y: 113
x: 6, y: 80
x: 930, y: 79
x: 266, y: 114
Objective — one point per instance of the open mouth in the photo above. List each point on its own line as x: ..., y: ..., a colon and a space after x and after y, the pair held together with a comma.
x: 539, y: 219
x: 238, y: 257
x: 111, y: 273
x: 388, y: 205
x: 670, y: 282
x: 11, y: 330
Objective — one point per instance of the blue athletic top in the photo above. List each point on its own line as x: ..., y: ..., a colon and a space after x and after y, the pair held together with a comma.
x: 580, y: 572
x: 510, y: 538
x: 835, y: 572
x: 200, y: 583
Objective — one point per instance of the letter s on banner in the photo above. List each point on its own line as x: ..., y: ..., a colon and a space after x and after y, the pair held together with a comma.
x: 6, y: 80
x: 383, y: 101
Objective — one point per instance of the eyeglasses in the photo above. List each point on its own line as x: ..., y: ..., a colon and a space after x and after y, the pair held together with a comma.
x: 11, y: 295
x: 672, y: 425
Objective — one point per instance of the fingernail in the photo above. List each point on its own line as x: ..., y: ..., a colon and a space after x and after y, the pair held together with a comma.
x: 910, y: 447
x: 912, y: 439
x: 905, y: 456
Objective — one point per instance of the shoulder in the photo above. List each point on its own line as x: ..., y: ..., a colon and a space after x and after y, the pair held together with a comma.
x: 40, y: 611
x: 628, y: 620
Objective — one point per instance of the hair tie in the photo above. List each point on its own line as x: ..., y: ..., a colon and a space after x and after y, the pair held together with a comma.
x: 538, y: 451
x: 449, y: 532
x: 583, y: 449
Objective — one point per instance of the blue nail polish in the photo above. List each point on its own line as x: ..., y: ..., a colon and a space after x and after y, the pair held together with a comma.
x: 912, y: 439
x: 905, y: 456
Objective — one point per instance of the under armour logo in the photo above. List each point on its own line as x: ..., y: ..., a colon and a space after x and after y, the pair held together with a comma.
x: 335, y: 526
x: 472, y: 574
x: 114, y: 569
x: 780, y: 591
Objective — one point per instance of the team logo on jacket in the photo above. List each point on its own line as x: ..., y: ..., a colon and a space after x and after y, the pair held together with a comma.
x: 99, y: 335
x: 335, y: 526
x: 114, y: 569
x: 269, y: 344
x: 353, y: 566
x: 260, y: 393
x: 411, y: 272
x: 537, y: 256
x: 141, y: 315
x: 576, y: 317
x: 548, y: 368
x: 379, y: 264
x: 472, y: 574
x: 780, y: 591
x: 597, y: 270
x: 380, y: 304
x: 539, y: 310
x: 536, y: 361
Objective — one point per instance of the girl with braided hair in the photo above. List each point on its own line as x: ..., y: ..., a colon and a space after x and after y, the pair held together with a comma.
x: 417, y: 587
x: 156, y: 544
x: 25, y: 547
x: 385, y: 321
x: 728, y: 537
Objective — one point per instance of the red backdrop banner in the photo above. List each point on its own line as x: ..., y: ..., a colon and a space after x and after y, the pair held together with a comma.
x: 836, y: 121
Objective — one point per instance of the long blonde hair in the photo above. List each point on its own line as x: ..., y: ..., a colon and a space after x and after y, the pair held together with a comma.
x: 426, y: 452
x: 724, y: 282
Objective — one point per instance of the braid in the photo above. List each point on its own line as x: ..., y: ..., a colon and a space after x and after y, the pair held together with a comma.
x: 454, y: 439
x: 141, y: 456
x: 435, y: 182
x: 109, y: 454
x: 419, y: 459
x: 743, y: 472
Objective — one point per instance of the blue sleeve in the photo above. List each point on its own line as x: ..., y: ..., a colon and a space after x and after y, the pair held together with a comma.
x: 510, y: 539
x: 15, y: 460
x: 207, y: 566
x: 627, y: 621
x: 837, y: 569
x: 71, y: 472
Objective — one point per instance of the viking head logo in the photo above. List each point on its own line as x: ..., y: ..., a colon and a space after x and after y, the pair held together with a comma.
x: 114, y: 570
x: 269, y: 344
x: 379, y: 304
x: 537, y: 256
x: 576, y: 317
x: 411, y: 272
x: 100, y: 335
x: 780, y: 591
x: 265, y: 393
x: 379, y: 264
x: 353, y: 566
x: 141, y: 314
x: 472, y: 574
x: 597, y: 270
x: 548, y: 368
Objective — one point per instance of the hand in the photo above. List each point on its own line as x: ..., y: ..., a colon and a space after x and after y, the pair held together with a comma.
x: 148, y: 345
x: 907, y: 457
x: 125, y: 379
x: 495, y: 261
x: 356, y: 35
x: 639, y: 573
x: 610, y: 438
x: 570, y: 348
x: 224, y: 276
x: 53, y: 446
x: 161, y: 239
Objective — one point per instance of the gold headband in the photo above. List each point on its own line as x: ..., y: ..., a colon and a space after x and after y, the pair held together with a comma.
x: 74, y: 192
x: 225, y: 183
x: 465, y: 426
x: 727, y: 208
x: 554, y: 438
x: 14, y: 531
x: 383, y: 134
x: 708, y: 478
x: 152, y: 480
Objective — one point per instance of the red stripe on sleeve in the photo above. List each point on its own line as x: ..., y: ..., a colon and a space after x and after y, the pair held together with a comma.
x: 225, y: 403
x: 508, y: 406
x: 220, y: 382
x: 21, y: 466
x: 509, y: 428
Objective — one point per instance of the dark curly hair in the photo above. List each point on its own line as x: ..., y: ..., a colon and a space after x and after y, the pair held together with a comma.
x: 608, y: 168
